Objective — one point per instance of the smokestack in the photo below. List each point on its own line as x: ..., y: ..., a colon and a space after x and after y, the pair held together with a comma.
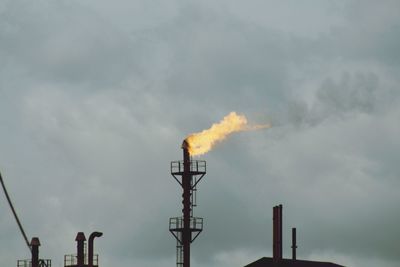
x: 186, y: 159
x: 187, y: 186
x: 294, y: 245
x: 91, y: 239
x: 277, y: 233
x: 35, y: 243
x: 280, y: 233
x: 274, y: 234
x: 80, y: 240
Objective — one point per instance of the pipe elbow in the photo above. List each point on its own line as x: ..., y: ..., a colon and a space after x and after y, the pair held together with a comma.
x: 94, y: 234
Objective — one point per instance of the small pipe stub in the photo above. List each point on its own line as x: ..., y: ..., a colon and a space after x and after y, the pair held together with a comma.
x: 35, y: 241
x: 186, y: 155
x: 185, y: 144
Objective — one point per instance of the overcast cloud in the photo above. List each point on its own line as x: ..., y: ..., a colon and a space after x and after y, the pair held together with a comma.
x: 97, y: 96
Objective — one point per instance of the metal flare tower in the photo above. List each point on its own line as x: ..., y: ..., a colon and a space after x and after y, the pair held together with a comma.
x: 187, y: 228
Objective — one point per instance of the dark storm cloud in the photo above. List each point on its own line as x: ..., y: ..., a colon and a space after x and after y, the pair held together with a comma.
x: 95, y: 104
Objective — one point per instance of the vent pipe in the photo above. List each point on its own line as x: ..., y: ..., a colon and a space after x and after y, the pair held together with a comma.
x: 35, y: 243
x: 80, y: 240
x: 294, y: 245
x: 91, y: 239
x: 274, y: 234
x: 277, y: 233
x: 280, y: 232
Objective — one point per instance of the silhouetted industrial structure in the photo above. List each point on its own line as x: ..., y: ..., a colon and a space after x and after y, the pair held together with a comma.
x: 185, y: 229
x: 269, y: 262
x: 34, y: 261
x: 83, y: 258
x: 277, y: 259
x: 277, y: 253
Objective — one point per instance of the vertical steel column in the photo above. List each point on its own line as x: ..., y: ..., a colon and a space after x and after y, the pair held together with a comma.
x: 186, y: 184
x: 280, y: 232
x: 35, y: 243
x: 274, y: 234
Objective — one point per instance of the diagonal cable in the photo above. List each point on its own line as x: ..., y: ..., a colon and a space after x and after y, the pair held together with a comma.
x: 14, y: 213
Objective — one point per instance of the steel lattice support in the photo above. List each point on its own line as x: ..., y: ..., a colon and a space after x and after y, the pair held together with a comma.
x: 186, y: 228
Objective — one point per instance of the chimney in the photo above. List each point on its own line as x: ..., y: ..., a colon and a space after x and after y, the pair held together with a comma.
x: 80, y: 239
x: 277, y: 233
x: 280, y: 232
x: 274, y: 235
x: 294, y: 245
x: 35, y: 243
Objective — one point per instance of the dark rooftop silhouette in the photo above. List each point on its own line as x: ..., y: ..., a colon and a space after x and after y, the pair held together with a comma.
x: 269, y: 262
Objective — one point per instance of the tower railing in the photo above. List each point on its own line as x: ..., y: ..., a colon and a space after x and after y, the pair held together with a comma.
x: 196, y: 166
x: 176, y: 224
x: 72, y: 260
x: 28, y: 263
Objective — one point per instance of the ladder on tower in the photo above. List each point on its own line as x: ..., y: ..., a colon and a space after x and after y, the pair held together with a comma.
x: 179, y: 252
x: 193, y: 195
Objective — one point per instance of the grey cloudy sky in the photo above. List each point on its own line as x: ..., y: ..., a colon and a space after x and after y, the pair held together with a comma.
x: 96, y: 97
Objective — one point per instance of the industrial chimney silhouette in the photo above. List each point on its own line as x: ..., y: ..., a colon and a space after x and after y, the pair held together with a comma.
x: 277, y: 253
x: 277, y: 259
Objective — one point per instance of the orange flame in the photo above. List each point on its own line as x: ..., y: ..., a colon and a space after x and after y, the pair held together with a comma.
x: 202, y: 142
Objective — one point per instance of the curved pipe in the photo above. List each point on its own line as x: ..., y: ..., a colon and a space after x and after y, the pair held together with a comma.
x: 91, y: 239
